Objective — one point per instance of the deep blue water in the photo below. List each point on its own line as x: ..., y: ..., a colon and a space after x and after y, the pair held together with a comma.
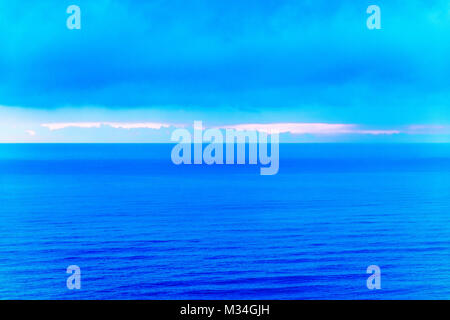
x: 140, y: 227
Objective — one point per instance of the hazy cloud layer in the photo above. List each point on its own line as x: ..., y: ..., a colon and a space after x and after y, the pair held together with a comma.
x: 316, y: 56
x: 226, y: 62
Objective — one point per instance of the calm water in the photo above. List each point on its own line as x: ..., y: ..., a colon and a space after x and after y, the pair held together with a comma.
x: 140, y: 227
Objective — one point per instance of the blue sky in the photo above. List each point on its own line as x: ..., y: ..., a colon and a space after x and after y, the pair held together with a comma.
x: 225, y: 63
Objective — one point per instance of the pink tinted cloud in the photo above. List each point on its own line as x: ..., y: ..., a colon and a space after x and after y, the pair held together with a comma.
x: 428, y: 129
x: 309, y: 128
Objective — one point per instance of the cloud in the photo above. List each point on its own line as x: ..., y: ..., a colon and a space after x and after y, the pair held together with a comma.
x: 30, y: 132
x: 292, y: 128
x: 159, y: 131
x: 116, y: 125
x: 59, y: 126
x: 428, y: 129
x: 310, y: 128
x: 142, y: 125
x: 214, y: 55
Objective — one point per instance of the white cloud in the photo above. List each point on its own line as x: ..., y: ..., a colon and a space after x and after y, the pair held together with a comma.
x: 30, y: 132
x: 293, y: 128
x: 116, y: 125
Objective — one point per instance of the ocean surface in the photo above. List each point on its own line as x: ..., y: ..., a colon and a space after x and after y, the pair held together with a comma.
x: 140, y: 227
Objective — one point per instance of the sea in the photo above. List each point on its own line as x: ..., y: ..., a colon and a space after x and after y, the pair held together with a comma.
x: 140, y: 227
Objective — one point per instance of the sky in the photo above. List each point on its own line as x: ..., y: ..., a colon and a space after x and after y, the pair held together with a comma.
x: 312, y: 70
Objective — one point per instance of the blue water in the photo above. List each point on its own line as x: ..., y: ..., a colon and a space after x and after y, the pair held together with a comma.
x: 140, y: 227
